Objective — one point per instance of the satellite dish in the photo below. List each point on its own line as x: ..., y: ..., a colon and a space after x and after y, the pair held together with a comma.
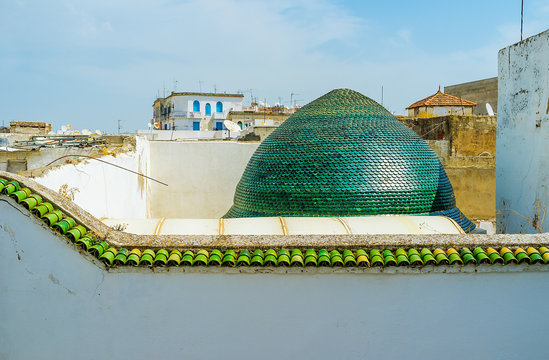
x: 63, y: 128
x: 231, y: 125
x: 86, y: 132
x: 98, y: 132
x: 489, y: 109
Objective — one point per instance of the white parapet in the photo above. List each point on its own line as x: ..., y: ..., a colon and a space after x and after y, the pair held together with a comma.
x: 393, y: 224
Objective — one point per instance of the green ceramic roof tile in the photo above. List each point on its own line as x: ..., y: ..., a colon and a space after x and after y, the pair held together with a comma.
x: 188, y: 258
x: 243, y: 258
x: 161, y: 258
x: 76, y: 232
x: 362, y: 258
x: 112, y: 256
x: 53, y: 217
x: 121, y: 257
x: 310, y: 260
x: 32, y: 201
x: 21, y: 195
x: 535, y: 256
x: 257, y: 260
x: 11, y: 187
x: 85, y: 243
x: 175, y: 258
x: 43, y: 209
x: 215, y: 257
x: 229, y: 258
x: 427, y: 257
x: 283, y: 257
x: 453, y: 257
x: 440, y: 257
x: 108, y: 256
x: 201, y: 258
x: 344, y: 155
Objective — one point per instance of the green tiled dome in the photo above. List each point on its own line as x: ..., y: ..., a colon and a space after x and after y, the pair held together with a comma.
x: 344, y: 155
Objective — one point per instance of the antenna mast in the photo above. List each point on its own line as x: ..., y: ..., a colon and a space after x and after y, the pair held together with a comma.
x: 521, y: 17
x: 381, y: 95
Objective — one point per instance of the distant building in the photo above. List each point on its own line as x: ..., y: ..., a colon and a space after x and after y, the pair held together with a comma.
x: 194, y: 110
x: 29, y: 127
x: 481, y: 91
x: 260, y: 116
x: 440, y: 104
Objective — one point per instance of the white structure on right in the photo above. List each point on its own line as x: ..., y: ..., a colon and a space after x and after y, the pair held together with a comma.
x: 522, y: 170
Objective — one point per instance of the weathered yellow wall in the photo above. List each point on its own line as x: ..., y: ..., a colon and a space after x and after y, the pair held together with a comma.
x: 473, y: 135
x: 474, y: 186
x: 472, y: 176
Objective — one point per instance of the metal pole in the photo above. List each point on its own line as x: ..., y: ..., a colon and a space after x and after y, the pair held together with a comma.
x: 521, y: 17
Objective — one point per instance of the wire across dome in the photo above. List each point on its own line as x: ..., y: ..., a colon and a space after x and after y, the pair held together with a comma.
x: 344, y: 155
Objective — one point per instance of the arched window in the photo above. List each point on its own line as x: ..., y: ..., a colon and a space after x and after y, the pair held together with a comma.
x: 219, y: 107
x: 240, y: 124
x: 208, y: 109
x: 196, y: 105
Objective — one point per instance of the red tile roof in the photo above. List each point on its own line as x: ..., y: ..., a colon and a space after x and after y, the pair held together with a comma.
x: 442, y: 99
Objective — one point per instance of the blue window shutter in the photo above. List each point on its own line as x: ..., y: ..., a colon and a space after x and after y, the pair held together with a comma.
x: 208, y: 109
x: 219, y: 107
x: 196, y: 105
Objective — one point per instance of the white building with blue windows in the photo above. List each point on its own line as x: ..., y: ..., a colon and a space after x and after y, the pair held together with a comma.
x: 195, y: 111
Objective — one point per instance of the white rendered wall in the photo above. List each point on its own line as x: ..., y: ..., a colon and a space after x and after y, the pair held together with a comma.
x: 185, y: 103
x: 185, y: 134
x: 58, y: 304
x: 103, y: 190
x: 522, y: 170
x: 202, y: 177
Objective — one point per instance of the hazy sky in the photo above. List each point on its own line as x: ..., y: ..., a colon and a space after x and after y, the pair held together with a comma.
x: 90, y: 63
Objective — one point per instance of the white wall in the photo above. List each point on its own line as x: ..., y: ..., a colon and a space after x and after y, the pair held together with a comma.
x: 185, y: 134
x: 57, y: 304
x: 202, y: 177
x: 522, y: 170
x: 185, y: 103
x: 103, y: 190
x: 40, y: 158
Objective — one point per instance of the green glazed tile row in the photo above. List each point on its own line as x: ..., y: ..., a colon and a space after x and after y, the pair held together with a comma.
x: 344, y: 155
x: 321, y: 258
x: 112, y: 256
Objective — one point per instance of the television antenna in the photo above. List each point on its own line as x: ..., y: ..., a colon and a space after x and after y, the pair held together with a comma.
x: 231, y: 125
x: 489, y: 109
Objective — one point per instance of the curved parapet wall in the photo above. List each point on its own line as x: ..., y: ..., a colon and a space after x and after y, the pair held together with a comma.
x: 344, y: 155
x: 194, y: 311
x: 328, y: 250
